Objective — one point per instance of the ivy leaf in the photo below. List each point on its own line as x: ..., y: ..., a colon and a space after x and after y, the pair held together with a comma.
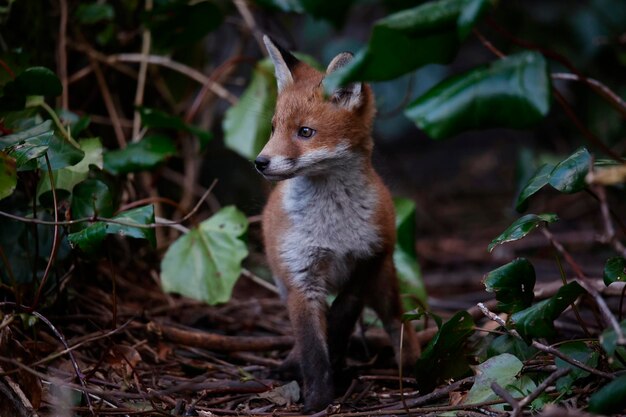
x: 608, y: 339
x: 537, y: 320
x: 406, y: 40
x: 38, y: 134
x: 509, y: 344
x: 521, y: 227
x: 513, y: 92
x: 568, y: 176
x: 8, y: 175
x: 158, y: 119
x: 404, y: 256
x: 444, y: 358
x: 90, y: 197
x: 513, y: 284
x: 139, y: 156
x: 68, y: 176
x: 205, y: 263
x: 614, y: 270
x: 247, y: 124
x: 501, y: 369
x: 90, y: 238
x: 582, y: 353
x: 539, y: 179
x: 34, y: 81
x: 610, y: 399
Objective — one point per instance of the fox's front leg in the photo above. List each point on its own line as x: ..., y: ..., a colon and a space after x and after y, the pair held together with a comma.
x: 307, y: 312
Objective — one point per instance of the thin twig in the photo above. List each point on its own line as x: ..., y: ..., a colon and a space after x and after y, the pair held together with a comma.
x: 96, y: 218
x: 141, y: 81
x: 108, y: 102
x: 609, y: 230
x: 259, y: 281
x: 192, y: 73
x: 506, y: 396
x: 246, y: 14
x: 539, y: 390
x: 602, y: 90
x: 55, y: 238
x: 62, y: 55
x: 544, y: 348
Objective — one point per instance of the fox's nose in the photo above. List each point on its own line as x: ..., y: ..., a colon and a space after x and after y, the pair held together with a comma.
x: 261, y: 162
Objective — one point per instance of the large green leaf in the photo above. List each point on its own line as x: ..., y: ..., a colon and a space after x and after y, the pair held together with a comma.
x: 205, y: 263
x: 247, y: 124
x: 513, y: 284
x: 406, y: 40
x: 39, y: 134
x: 34, y: 81
x: 158, y: 119
x: 502, y: 369
x: 615, y: 270
x: 404, y: 256
x: 90, y: 238
x: 177, y: 24
x: 444, y: 357
x: 539, y: 179
x: 569, y: 175
x: 537, y: 321
x: 90, y: 197
x: 582, y: 353
x: 333, y: 11
x: 513, y: 92
x: 610, y: 399
x: 521, y: 227
x: 8, y: 175
x: 507, y: 343
x: 68, y: 176
x: 139, y: 156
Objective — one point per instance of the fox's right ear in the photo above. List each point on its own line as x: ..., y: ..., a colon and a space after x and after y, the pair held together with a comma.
x: 284, y: 62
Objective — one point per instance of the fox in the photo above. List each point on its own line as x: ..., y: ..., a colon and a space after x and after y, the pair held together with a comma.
x: 329, y: 223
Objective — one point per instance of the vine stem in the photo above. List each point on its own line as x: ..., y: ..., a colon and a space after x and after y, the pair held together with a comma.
x: 55, y: 239
x: 141, y: 80
x: 55, y: 118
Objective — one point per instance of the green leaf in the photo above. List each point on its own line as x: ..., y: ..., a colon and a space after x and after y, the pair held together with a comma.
x: 335, y: 11
x: 90, y: 238
x: 68, y: 176
x: 139, y: 156
x: 471, y: 12
x: 205, y: 263
x: 539, y: 179
x: 513, y: 92
x: 509, y: 344
x: 569, y: 175
x: 39, y: 133
x: 88, y: 14
x: 513, y: 284
x: 615, y: 270
x: 34, y: 81
x: 521, y: 227
x: 77, y: 124
x: 608, y: 339
x: 404, y: 255
x: 157, y: 119
x: 582, y: 353
x: 501, y: 369
x: 8, y: 175
x: 61, y: 154
x: 537, y: 321
x: 181, y: 23
x: 406, y: 40
x: 90, y: 197
x: 247, y: 124
x: 444, y: 357
x: 610, y: 399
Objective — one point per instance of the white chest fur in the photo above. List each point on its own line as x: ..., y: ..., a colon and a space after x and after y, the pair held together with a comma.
x: 332, y: 224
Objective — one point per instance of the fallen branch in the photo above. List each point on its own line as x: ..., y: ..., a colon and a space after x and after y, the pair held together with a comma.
x: 213, y: 341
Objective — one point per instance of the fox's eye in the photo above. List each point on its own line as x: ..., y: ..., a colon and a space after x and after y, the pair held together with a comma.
x: 306, y: 132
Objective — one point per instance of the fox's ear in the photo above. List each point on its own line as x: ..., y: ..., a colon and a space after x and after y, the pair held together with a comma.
x: 348, y: 96
x: 284, y: 62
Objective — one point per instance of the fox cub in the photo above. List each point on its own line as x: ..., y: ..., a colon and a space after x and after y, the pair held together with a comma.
x: 329, y: 224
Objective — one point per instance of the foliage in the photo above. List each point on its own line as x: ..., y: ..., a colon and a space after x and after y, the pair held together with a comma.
x: 71, y: 187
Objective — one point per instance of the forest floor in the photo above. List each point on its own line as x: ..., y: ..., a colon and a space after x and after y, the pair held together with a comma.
x: 137, y: 351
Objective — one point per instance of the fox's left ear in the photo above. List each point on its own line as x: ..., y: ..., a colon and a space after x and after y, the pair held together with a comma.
x: 348, y: 96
